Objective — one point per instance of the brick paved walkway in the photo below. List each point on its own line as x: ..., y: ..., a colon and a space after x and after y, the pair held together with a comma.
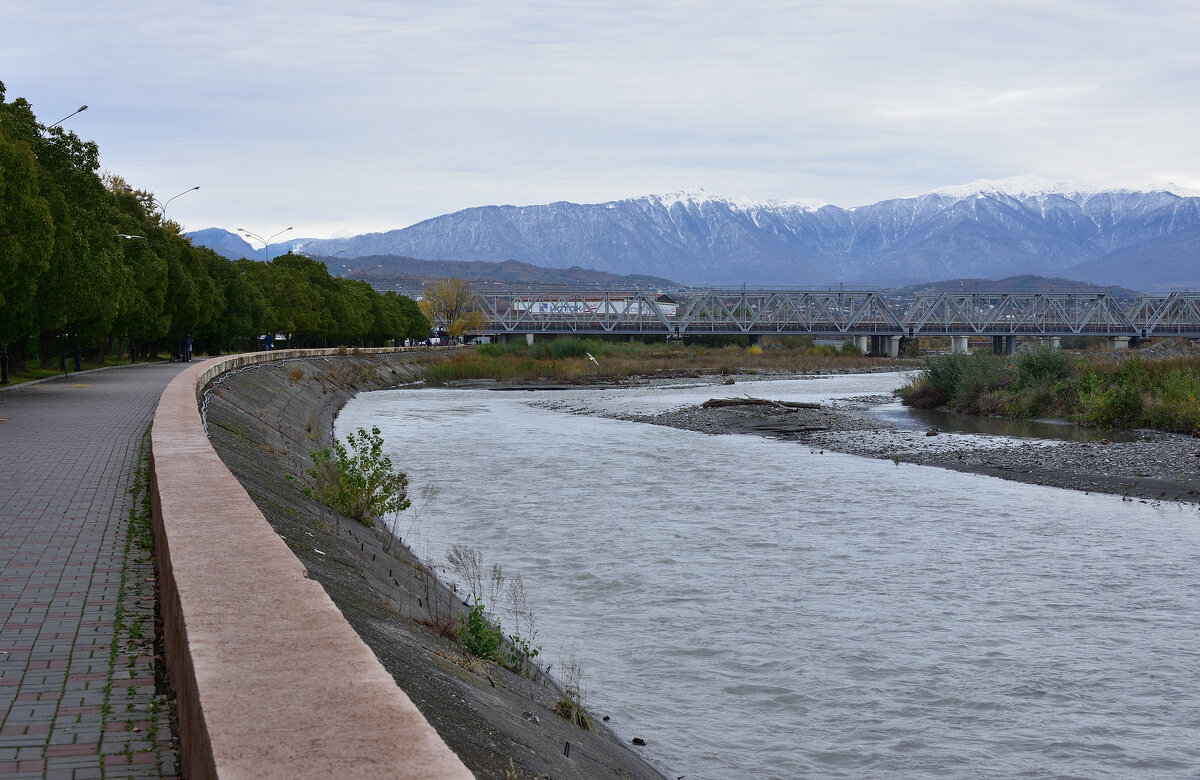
x: 77, y: 676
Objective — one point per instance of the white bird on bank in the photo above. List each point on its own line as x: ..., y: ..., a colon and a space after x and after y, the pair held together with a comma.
x: 589, y: 354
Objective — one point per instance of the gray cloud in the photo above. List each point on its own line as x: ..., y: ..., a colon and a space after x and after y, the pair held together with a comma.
x: 377, y: 115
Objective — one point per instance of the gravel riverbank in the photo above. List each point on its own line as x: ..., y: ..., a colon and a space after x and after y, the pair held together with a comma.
x: 1151, y: 466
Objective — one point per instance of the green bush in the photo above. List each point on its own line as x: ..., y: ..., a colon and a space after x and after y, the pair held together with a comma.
x: 356, y: 479
x: 944, y: 373
x: 483, y: 637
x: 569, y: 346
x: 493, y: 350
x: 921, y: 393
x: 1117, y: 406
x: 1043, y: 365
x: 480, y: 636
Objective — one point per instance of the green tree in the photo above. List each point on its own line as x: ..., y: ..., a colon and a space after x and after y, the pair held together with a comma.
x: 350, y: 304
x: 242, y: 315
x: 296, y: 300
x: 396, y: 317
x: 26, y: 225
x: 76, y: 292
x: 142, y: 285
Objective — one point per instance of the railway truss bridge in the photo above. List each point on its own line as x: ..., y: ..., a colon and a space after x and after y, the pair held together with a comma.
x: 875, y: 323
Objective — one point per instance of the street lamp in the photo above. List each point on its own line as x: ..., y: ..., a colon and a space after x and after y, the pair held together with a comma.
x: 132, y: 340
x: 163, y: 206
x: 266, y: 241
x: 79, y: 110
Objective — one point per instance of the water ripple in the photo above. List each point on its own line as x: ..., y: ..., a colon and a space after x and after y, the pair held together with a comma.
x: 753, y: 610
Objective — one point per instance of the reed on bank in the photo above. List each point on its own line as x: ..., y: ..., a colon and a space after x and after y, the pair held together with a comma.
x: 1106, y: 390
x: 579, y: 360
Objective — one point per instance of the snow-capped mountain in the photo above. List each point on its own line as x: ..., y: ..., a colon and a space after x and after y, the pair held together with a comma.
x: 985, y: 229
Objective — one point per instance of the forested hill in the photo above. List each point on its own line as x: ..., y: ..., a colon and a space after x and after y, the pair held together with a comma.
x: 411, y: 271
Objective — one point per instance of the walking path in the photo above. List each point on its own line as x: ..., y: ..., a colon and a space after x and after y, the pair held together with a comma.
x: 77, y: 587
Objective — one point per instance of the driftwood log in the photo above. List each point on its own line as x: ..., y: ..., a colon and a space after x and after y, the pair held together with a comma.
x: 715, y: 403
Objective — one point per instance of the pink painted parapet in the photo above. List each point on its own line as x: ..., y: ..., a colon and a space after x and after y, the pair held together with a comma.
x: 270, y: 679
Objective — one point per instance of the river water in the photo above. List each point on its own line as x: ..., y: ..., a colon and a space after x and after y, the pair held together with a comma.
x: 758, y: 609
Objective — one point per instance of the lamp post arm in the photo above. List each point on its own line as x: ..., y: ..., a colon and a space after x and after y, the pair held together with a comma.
x: 79, y: 110
x: 163, y: 207
x: 266, y: 242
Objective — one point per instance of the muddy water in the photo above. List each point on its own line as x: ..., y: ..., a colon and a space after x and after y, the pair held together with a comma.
x: 754, y: 609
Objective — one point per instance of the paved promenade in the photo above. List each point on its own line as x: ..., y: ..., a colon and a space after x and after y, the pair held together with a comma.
x: 77, y: 680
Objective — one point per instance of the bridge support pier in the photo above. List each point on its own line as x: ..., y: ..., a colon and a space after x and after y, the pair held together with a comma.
x: 1054, y: 342
x: 1004, y: 345
x: 863, y: 345
x: 894, y: 346
x: 1118, y: 342
x: 958, y: 344
x: 529, y: 339
x: 755, y: 340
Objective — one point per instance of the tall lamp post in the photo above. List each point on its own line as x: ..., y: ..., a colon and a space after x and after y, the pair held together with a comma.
x: 265, y: 241
x: 163, y: 206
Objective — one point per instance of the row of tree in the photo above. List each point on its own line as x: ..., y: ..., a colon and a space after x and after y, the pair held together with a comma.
x: 89, y: 263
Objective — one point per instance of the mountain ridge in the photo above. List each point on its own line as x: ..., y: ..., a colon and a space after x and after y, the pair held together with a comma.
x: 986, y: 229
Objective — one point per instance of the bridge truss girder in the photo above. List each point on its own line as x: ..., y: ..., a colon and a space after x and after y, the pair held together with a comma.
x: 845, y: 313
x: 1017, y: 314
x: 1177, y: 314
x: 567, y: 311
x: 787, y: 312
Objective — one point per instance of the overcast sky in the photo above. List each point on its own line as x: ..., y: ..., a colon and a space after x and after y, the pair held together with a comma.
x: 379, y: 114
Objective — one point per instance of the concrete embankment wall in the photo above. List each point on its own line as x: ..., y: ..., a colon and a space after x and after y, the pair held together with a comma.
x: 270, y: 679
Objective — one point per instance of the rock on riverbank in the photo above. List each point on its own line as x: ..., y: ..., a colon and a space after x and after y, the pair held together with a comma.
x: 263, y: 421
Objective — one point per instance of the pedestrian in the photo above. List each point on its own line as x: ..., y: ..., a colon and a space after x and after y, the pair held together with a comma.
x: 187, y: 348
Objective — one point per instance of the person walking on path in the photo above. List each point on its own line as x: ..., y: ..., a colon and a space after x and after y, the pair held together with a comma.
x: 77, y: 584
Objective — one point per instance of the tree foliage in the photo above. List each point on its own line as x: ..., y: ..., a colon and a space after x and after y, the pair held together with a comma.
x: 86, y: 259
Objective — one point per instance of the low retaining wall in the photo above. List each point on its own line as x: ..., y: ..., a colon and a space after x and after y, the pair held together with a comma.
x: 270, y: 679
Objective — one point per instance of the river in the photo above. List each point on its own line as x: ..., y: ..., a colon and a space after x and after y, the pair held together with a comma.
x: 753, y: 608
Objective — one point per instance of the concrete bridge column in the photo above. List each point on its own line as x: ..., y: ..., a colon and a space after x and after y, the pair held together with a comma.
x: 1004, y: 345
x: 958, y: 344
x: 894, y: 346
x: 755, y: 340
x: 502, y: 338
x: 529, y: 339
x: 862, y: 344
x: 1053, y: 342
x: 1118, y: 342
